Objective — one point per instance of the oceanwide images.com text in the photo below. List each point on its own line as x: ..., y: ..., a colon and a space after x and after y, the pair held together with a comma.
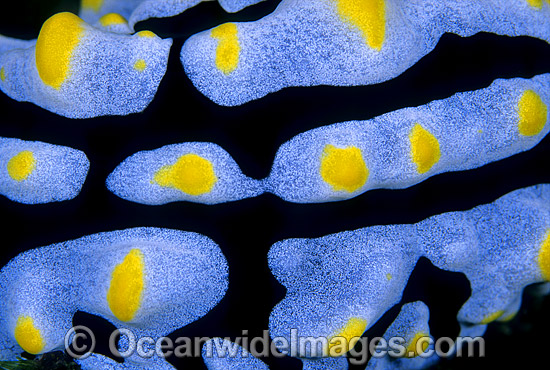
x: 80, y: 342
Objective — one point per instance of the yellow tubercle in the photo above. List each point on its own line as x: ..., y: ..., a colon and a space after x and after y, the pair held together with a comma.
x: 191, y: 174
x: 58, y: 38
x: 228, y: 49
x: 368, y: 16
x: 140, y: 65
x: 347, y: 337
x: 2, y: 74
x: 533, y: 114
x: 21, y: 165
x: 536, y: 3
x: 127, y: 284
x: 418, y: 339
x: 28, y: 336
x: 389, y: 277
x: 94, y: 5
x: 492, y: 317
x: 343, y: 168
x: 147, y: 34
x: 425, y: 151
x: 112, y: 19
x: 544, y: 257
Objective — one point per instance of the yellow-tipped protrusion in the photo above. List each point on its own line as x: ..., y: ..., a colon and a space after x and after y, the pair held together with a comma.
x: 425, y: 151
x: 147, y: 34
x: 21, y: 165
x: 544, y: 257
x: 369, y: 16
x: 533, y: 114
x: 2, y: 74
x: 418, y: 342
x: 28, y: 336
x: 347, y: 337
x: 94, y: 5
x: 228, y: 49
x: 492, y: 317
x: 127, y: 284
x: 343, y: 168
x: 191, y: 174
x: 112, y: 19
x: 58, y: 38
x: 140, y: 65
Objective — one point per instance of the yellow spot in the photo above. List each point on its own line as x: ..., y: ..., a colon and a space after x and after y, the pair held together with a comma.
x: 367, y: 15
x: 191, y: 174
x: 425, y: 150
x: 412, y: 348
x: 544, y: 257
x: 508, y: 317
x: 140, y: 65
x: 480, y: 131
x: 28, y: 336
x: 2, y: 74
x: 94, y: 5
x: 148, y: 34
x: 228, y: 50
x: 492, y: 317
x: 126, y: 289
x: 347, y: 337
x: 389, y: 277
x: 21, y: 165
x: 112, y: 19
x: 537, y: 3
x: 533, y: 114
x: 343, y: 168
x: 58, y: 38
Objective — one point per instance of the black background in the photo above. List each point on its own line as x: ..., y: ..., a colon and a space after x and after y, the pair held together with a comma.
x: 252, y: 133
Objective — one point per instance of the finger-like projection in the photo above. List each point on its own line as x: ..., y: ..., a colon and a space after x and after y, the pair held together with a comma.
x: 147, y: 280
x: 340, y: 284
x: 341, y: 42
x: 33, y: 172
x: 196, y: 172
x: 140, y: 10
x: 404, y: 147
x: 80, y: 71
x: 411, y: 338
x: 222, y: 354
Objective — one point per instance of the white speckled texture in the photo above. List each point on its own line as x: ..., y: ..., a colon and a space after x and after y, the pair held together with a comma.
x: 473, y: 128
x: 306, y: 43
x: 59, y: 172
x: 140, y: 10
x: 133, y: 178
x: 102, y: 78
x: 412, y: 320
x: 186, y: 275
x: 222, y: 354
x: 341, y: 276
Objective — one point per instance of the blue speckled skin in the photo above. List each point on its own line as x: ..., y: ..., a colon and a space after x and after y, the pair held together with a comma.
x: 411, y: 320
x: 221, y: 354
x: 473, y: 128
x: 325, y: 363
x: 102, y: 81
x: 132, y: 179
x: 140, y: 10
x: 186, y: 275
x: 59, y: 172
x: 306, y: 43
x: 334, y: 278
